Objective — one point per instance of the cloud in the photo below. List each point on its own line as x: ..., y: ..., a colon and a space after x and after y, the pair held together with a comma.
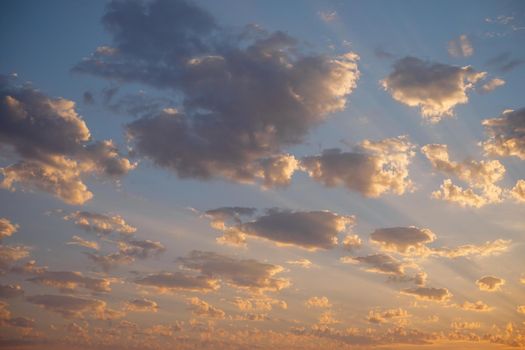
x: 460, y: 47
x: 485, y: 249
x: 318, y: 302
x: 435, y: 88
x: 10, y: 254
x: 7, y: 320
x: 521, y: 309
x: 264, y: 304
x: 76, y: 240
x: 490, y: 283
x: 492, y: 85
x: 518, y: 191
x: 248, y: 274
x: 457, y: 325
x: 74, y: 307
x: 403, y: 240
x: 352, y: 242
x: 304, y: 263
x: 10, y: 290
x: 481, y: 175
x: 373, y: 169
x: 327, y: 318
x: 306, y: 229
x: 129, y: 251
x: 53, y: 144
x: 141, y: 305
x: 379, y: 263
x: 7, y: 229
x: 245, y: 95
x: 100, y: 223
x: 378, y: 316
x: 178, y: 281
x: 201, y: 308
x: 71, y: 280
x: 428, y: 293
x: 477, y: 306
x: 504, y: 62
x: 327, y: 16
x: 506, y: 134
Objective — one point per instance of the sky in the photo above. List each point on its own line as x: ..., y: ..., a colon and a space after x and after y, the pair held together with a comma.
x: 232, y: 174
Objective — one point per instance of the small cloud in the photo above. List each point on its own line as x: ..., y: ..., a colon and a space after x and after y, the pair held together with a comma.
x: 327, y: 16
x: 460, y: 47
x: 490, y: 283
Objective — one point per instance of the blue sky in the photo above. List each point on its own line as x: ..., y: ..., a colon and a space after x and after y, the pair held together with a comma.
x: 361, y: 162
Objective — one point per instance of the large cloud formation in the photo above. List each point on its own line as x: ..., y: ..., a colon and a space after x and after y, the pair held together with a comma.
x: 372, y: 169
x: 245, y: 94
x: 306, y: 229
x: 506, y: 134
x: 53, y: 144
x: 435, y: 88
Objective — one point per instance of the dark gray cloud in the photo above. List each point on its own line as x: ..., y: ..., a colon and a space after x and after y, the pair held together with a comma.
x: 128, y: 252
x: 74, y: 307
x: 434, y: 87
x: 379, y: 263
x: 428, y: 293
x: 177, y: 281
x: 68, y: 281
x: 306, y: 229
x: 10, y: 290
x: 404, y: 240
x: 247, y: 274
x: 245, y: 94
x: 504, y: 62
x: 372, y: 169
x: 53, y: 144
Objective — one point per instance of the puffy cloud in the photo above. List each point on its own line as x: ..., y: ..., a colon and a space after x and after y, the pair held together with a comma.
x: 379, y: 263
x: 100, y: 223
x: 72, y: 280
x: 456, y: 194
x: 404, y: 240
x: 177, y: 281
x: 7, y: 228
x: 372, y: 169
x: 378, y: 316
x: 321, y: 302
x: 477, y: 306
x: 506, y: 134
x: 428, y: 293
x: 481, y: 175
x: 518, y: 191
x: 490, y: 283
x: 199, y: 307
x: 245, y: 95
x: 420, y: 279
x: 521, y: 309
x: 74, y: 307
x: 304, y: 263
x: 141, y: 305
x: 460, y: 47
x: 7, y: 320
x: 241, y: 273
x: 352, y: 242
x: 327, y: 318
x: 111, y: 260
x: 76, y: 240
x: 434, y: 87
x: 53, y: 143
x: 10, y: 290
x: 29, y: 268
x: 492, y: 85
x: 306, y: 229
